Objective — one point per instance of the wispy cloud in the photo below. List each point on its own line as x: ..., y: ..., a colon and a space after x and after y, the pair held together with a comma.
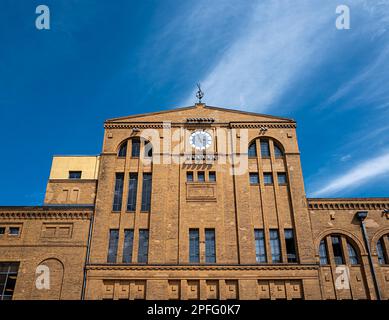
x: 278, y: 45
x: 364, y: 171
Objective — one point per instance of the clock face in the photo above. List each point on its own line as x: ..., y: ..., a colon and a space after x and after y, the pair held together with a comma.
x: 200, y: 140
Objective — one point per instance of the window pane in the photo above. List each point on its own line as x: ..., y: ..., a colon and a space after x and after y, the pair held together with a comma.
x: 148, y: 149
x: 127, y: 246
x: 146, y: 192
x: 352, y: 254
x: 74, y: 174
x: 201, y: 176
x: 117, y: 199
x: 123, y: 150
x: 290, y: 245
x: 254, y: 179
x: 275, y: 246
x: 265, y: 150
x: 132, y: 192
x: 113, y: 245
x: 14, y: 231
x: 189, y: 176
x: 380, y: 252
x: 210, y: 252
x: 8, y: 275
x: 260, y: 249
x: 252, y: 152
x: 281, y: 178
x: 323, y: 252
x: 143, y: 246
x: 135, y: 148
x: 337, y: 249
x: 277, y: 151
x: 268, y: 178
x: 194, y: 252
x: 212, y: 176
x: 2, y: 230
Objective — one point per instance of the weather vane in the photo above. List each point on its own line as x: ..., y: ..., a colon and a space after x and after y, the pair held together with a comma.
x: 199, y: 93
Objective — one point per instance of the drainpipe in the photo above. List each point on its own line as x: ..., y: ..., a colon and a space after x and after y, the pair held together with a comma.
x: 361, y: 216
x: 87, y: 255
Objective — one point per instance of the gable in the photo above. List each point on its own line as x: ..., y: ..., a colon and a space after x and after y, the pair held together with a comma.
x: 200, y: 111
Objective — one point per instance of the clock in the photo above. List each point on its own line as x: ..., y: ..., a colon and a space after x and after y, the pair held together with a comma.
x: 200, y: 140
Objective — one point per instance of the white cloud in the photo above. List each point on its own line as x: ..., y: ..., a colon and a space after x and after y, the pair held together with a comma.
x: 362, y: 172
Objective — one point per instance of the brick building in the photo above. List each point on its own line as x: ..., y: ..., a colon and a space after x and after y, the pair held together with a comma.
x: 193, y: 203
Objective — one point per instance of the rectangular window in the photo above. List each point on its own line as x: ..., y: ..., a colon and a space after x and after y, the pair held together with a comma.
x: 117, y: 198
x: 260, y: 249
x: 14, y: 231
x: 210, y: 250
x: 254, y: 178
x: 2, y: 230
x: 75, y: 174
x: 265, y: 150
x: 275, y: 246
x: 200, y: 176
x: 189, y: 176
x: 143, y: 248
x: 281, y: 178
x: 127, y: 246
x: 8, y: 275
x: 337, y: 249
x: 194, y: 252
x: 290, y: 245
x: 268, y: 178
x: 323, y: 252
x: 381, y: 252
x: 135, y: 148
x: 113, y: 245
x: 146, y: 192
x: 212, y: 176
x: 132, y: 192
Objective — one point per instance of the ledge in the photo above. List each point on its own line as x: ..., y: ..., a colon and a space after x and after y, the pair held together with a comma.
x: 348, y: 203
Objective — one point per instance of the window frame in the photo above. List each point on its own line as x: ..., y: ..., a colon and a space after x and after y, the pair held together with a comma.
x: 72, y: 172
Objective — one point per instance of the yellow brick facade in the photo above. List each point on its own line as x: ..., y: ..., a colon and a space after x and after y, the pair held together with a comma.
x: 230, y: 206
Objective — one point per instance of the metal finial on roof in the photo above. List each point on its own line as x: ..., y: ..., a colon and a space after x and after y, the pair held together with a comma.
x: 199, y: 93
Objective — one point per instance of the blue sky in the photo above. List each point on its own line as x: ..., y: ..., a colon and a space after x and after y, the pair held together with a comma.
x: 104, y: 59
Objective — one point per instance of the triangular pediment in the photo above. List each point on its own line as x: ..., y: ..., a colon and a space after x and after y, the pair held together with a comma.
x: 200, y: 111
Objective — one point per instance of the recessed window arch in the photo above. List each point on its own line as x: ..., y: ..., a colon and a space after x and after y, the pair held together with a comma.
x: 278, y: 152
x: 123, y: 149
x: 382, y: 248
x: 342, y: 247
x: 252, y: 151
x: 135, y: 144
x: 264, y: 146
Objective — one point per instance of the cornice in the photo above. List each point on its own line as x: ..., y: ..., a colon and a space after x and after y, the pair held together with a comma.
x: 61, y: 213
x: 348, y: 204
x: 162, y: 125
x: 138, y: 267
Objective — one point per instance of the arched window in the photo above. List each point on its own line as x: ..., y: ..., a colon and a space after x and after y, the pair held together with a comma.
x: 338, y: 242
x: 135, y: 147
x: 278, y: 151
x: 123, y: 149
x: 323, y: 252
x: 382, y: 250
x: 265, y: 150
x: 148, y: 149
x: 252, y: 150
x: 352, y: 254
